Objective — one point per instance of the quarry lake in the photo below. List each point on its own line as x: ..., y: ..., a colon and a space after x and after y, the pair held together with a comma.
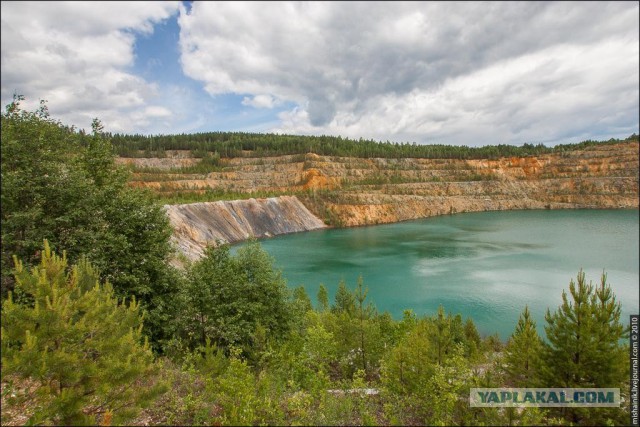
x: 485, y: 265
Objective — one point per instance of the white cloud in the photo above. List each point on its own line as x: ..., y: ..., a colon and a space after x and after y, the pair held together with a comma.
x: 446, y: 72
x: 78, y: 55
x: 260, y: 101
x: 469, y: 73
x: 156, y: 111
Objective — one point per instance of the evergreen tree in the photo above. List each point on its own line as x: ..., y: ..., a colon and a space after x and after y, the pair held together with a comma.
x: 441, y: 336
x: 447, y: 390
x: 472, y: 338
x: 301, y: 299
x: 363, y: 317
x: 406, y: 325
x: 369, y: 338
x: 300, y: 306
x: 84, y: 349
x: 344, y: 300
x: 584, y: 346
x: 323, y: 298
x: 523, y: 352
x: 408, y: 366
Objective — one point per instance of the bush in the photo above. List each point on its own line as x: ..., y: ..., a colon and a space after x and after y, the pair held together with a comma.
x: 81, y: 346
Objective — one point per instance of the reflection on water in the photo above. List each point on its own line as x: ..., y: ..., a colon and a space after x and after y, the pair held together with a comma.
x: 487, y: 265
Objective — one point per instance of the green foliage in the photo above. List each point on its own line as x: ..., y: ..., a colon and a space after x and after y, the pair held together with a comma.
x: 300, y: 306
x: 448, y: 389
x: 368, y: 332
x: 63, y: 186
x: 584, y: 334
x: 83, y: 347
x: 344, y: 300
x: 584, y: 346
x: 302, y: 300
x: 235, y: 144
x: 408, y: 366
x: 358, y: 331
x: 441, y: 335
x: 40, y: 192
x: 323, y: 298
x: 523, y: 353
x: 422, y: 390
x: 253, y: 366
x: 227, y: 298
x: 234, y: 392
x: 472, y: 339
x: 319, y: 347
x: 447, y: 332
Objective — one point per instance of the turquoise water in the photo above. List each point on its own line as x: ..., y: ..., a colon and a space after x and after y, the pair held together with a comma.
x: 485, y: 265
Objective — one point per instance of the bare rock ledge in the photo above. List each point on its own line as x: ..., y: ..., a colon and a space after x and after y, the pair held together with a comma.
x: 198, y: 224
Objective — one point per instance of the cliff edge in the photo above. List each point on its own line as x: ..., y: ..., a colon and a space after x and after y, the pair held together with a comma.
x: 198, y: 224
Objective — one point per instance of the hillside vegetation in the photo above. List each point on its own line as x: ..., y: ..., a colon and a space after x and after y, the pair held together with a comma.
x: 236, y: 144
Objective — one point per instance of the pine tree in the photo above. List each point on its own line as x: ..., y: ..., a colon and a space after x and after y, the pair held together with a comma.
x: 344, y: 300
x: 368, y: 330
x: 584, y: 346
x: 472, y: 338
x: 360, y: 296
x: 301, y: 299
x: 523, y: 352
x: 584, y: 336
x: 441, y: 337
x: 323, y: 298
x: 408, y: 366
x: 444, y: 402
x: 66, y: 331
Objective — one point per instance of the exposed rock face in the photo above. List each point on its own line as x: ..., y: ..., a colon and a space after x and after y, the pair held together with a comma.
x: 199, y: 224
x: 377, y: 191
x: 347, y: 191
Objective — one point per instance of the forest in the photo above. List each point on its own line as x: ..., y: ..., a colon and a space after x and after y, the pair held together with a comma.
x: 99, y: 327
x: 233, y: 144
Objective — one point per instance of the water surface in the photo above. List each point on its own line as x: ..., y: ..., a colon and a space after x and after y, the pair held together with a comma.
x: 485, y: 265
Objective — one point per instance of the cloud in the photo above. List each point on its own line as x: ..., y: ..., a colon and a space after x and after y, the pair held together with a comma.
x: 466, y: 73
x: 78, y: 56
x: 430, y: 72
x: 260, y: 101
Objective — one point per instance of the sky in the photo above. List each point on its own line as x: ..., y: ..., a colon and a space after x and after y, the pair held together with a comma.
x: 459, y: 73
